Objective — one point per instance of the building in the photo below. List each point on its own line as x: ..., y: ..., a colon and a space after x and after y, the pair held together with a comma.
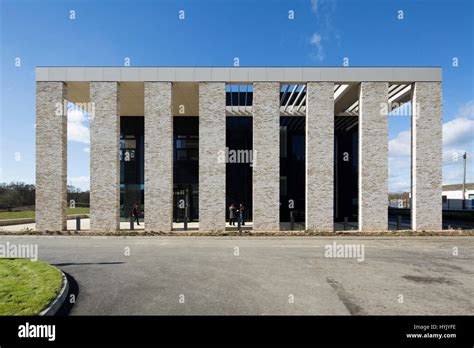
x: 454, y: 191
x: 312, y: 141
x: 453, y: 197
x: 399, y: 200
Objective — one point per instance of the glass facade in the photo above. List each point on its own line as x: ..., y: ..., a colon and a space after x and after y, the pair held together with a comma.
x: 131, y: 165
x: 292, y: 168
x: 239, y: 173
x: 185, y: 168
x: 346, y: 162
x: 239, y: 142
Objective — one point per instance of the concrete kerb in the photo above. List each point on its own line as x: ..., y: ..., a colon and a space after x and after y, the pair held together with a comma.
x: 54, y: 306
x: 302, y: 233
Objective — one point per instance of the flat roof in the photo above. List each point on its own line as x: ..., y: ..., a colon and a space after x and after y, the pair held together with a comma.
x: 458, y: 187
x: 240, y: 74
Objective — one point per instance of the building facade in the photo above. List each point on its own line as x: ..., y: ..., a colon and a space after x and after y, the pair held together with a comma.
x: 455, y: 198
x: 304, y: 143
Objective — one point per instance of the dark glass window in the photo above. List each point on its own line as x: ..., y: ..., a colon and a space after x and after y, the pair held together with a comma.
x: 131, y: 164
x: 186, y: 167
x: 239, y: 175
x: 292, y: 167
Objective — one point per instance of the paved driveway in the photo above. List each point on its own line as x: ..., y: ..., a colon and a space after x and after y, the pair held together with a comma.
x: 204, y: 275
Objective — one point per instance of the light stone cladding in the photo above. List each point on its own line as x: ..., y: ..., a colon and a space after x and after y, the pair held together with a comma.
x: 51, y: 156
x: 427, y: 142
x: 101, y: 87
x: 373, y: 156
x: 158, y: 156
x: 266, y: 149
x: 320, y: 156
x: 212, y: 144
x: 104, y: 157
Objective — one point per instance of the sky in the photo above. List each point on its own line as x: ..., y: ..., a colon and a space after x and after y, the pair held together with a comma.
x: 213, y: 33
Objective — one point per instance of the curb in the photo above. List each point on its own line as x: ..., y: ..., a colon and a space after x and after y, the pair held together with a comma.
x: 54, y: 306
x: 195, y: 233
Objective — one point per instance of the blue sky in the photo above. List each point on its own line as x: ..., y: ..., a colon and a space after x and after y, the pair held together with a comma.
x: 259, y: 33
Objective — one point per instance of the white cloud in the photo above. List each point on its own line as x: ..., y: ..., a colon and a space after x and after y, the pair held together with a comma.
x: 322, y: 7
x: 87, y: 149
x: 77, y: 129
x: 399, y: 163
x: 400, y: 146
x: 324, y: 31
x: 453, y: 174
x: 400, y: 183
x: 83, y: 182
x: 315, y: 41
x: 458, y: 131
x: 458, y: 137
x: 467, y: 110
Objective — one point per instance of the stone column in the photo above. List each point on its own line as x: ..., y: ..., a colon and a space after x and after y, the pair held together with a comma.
x: 104, y: 157
x: 51, y: 156
x: 212, y: 166
x: 373, y: 156
x: 427, y: 152
x: 320, y: 156
x: 266, y: 147
x: 158, y: 157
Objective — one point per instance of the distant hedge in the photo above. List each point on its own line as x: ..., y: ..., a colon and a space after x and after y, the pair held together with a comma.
x: 18, y: 194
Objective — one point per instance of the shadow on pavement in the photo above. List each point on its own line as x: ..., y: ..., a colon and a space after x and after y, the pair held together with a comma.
x: 85, y: 263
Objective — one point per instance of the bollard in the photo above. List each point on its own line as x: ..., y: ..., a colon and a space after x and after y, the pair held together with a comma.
x: 292, y: 221
x: 399, y: 222
x: 346, y: 222
x: 186, y: 218
x: 78, y: 223
x: 131, y: 223
x: 238, y: 225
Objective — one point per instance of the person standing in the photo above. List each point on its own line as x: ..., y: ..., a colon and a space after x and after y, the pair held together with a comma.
x: 136, y: 214
x: 241, y: 214
x: 232, y: 215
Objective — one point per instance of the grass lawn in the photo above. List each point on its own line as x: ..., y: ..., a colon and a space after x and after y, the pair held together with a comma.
x: 30, y: 214
x: 27, y: 287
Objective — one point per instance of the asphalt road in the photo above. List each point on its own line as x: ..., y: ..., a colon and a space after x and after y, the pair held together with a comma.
x: 223, y: 275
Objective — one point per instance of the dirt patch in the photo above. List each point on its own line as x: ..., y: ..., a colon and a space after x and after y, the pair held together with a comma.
x: 429, y: 280
x: 345, y: 297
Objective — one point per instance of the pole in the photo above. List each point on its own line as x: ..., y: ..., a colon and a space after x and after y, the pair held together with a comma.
x: 399, y: 222
x: 131, y: 223
x: 292, y: 220
x: 464, y: 182
x: 186, y: 210
x: 78, y: 223
x: 186, y: 218
x: 346, y: 220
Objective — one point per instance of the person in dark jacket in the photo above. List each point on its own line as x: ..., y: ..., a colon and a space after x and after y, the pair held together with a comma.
x: 232, y: 211
x: 136, y: 214
x: 241, y: 214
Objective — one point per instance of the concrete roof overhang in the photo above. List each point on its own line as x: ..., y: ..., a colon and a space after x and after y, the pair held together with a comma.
x: 185, y: 81
x: 239, y: 74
